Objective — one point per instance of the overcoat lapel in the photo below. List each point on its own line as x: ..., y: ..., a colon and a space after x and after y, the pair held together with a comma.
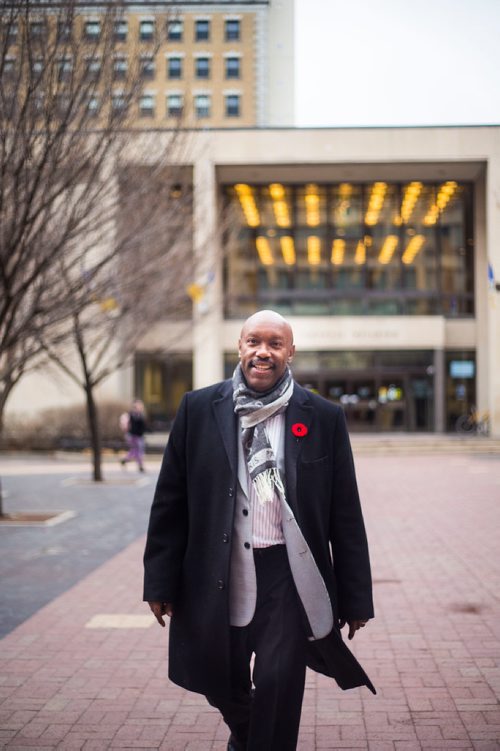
x: 227, y: 422
x: 299, y: 411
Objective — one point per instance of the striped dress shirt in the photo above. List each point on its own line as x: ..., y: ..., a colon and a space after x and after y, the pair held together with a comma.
x: 266, y: 517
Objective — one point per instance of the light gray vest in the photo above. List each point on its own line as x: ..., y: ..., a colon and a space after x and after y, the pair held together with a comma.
x: 243, y: 584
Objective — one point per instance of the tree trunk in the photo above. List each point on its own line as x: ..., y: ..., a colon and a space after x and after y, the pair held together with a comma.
x: 95, y: 435
x: 4, y: 393
x: 5, y: 389
x: 1, y: 442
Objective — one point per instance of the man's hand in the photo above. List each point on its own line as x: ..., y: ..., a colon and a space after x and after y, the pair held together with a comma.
x: 160, y: 609
x: 353, y: 626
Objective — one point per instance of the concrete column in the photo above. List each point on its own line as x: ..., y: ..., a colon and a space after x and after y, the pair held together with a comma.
x: 439, y: 391
x: 279, y: 74
x: 481, y: 302
x: 208, y: 365
x: 493, y: 296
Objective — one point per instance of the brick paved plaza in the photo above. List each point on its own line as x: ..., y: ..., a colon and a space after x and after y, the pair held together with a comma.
x: 88, y: 669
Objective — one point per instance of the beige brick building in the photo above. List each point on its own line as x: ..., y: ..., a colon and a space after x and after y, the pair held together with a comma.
x: 206, y: 64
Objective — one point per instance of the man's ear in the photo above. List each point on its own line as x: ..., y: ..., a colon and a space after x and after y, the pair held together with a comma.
x: 292, y: 352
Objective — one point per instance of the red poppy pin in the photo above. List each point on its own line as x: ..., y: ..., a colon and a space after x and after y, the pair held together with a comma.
x: 299, y: 429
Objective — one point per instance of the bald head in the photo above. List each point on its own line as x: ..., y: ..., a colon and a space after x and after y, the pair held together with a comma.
x: 268, y: 317
x: 266, y: 348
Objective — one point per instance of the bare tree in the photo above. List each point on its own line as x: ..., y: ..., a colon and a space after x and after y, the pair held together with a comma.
x: 146, y: 282
x: 65, y: 123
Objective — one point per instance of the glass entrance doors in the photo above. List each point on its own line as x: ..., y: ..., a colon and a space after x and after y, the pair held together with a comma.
x: 379, y: 390
x: 378, y: 402
x: 357, y: 397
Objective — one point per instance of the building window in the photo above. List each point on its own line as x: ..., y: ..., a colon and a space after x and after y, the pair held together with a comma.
x: 38, y: 103
x: 9, y: 67
x: 147, y: 67
x: 92, y: 30
x: 37, y: 68
x: 93, y: 106
x: 11, y: 29
x: 202, y: 67
x: 174, y: 67
x: 160, y: 383
x: 147, y: 105
x: 175, y: 31
x: 174, y: 105
x: 460, y: 387
x: 374, y: 248
x: 120, y: 68
x: 202, y: 31
x: 146, y: 31
x: 233, y: 67
x: 120, y: 30
x: 119, y: 103
x: 63, y: 104
x: 37, y: 30
x: 232, y: 105
x: 65, y: 69
x: 232, y: 30
x: 64, y: 31
x: 93, y: 69
x: 202, y: 106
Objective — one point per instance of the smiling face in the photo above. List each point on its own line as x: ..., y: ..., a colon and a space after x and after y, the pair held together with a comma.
x: 266, y: 347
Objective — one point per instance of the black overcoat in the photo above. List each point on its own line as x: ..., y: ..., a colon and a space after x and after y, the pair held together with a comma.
x: 188, y: 546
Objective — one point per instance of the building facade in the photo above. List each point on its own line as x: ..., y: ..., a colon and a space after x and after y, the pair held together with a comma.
x: 381, y: 246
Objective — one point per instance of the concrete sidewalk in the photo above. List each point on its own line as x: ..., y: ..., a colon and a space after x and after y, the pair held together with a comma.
x: 88, y: 671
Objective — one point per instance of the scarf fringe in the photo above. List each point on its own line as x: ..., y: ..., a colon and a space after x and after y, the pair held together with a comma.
x: 266, y: 483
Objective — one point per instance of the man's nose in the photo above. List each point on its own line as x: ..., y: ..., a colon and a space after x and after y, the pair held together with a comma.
x: 262, y: 351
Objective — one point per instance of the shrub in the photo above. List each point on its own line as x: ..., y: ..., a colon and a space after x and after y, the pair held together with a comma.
x: 63, y: 427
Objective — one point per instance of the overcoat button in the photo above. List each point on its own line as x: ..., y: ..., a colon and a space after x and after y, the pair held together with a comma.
x: 220, y: 584
x: 247, y: 545
x: 245, y: 512
x: 225, y: 537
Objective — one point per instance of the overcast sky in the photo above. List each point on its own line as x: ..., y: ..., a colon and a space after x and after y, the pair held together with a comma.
x: 397, y: 62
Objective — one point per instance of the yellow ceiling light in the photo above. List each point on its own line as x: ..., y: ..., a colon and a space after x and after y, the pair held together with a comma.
x: 264, y: 251
x: 375, y: 203
x: 410, y: 197
x: 413, y: 247
x: 345, y: 190
x: 443, y: 197
x: 445, y: 193
x: 311, y: 199
x: 288, y: 250
x: 432, y: 216
x: 314, y: 250
x: 280, y: 206
x: 388, y: 248
x: 277, y: 191
x: 338, y: 250
x: 246, y: 195
x: 360, y: 253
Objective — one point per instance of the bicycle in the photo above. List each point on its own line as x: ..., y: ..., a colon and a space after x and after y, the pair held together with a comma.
x: 474, y: 422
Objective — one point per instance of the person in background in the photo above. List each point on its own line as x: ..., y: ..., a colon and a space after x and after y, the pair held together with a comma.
x: 134, y: 425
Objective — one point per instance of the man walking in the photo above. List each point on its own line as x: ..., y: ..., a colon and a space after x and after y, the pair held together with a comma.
x: 256, y: 543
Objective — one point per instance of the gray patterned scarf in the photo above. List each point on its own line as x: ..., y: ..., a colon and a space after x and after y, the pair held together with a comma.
x: 254, y: 408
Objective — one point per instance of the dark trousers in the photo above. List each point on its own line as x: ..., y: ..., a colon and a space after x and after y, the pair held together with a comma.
x: 268, y: 718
